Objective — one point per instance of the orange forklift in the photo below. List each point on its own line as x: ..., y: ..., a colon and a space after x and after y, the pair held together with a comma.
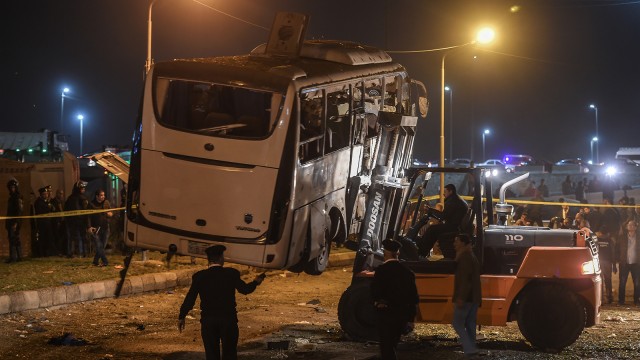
x: 548, y: 280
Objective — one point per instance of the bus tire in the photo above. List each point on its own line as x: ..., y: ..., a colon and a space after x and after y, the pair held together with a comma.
x: 356, y: 312
x: 551, y: 317
x: 319, y: 264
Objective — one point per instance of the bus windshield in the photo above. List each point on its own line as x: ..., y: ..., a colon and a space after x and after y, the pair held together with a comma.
x: 216, y: 110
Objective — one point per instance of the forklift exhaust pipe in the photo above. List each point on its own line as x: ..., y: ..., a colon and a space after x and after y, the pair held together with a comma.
x: 504, y: 210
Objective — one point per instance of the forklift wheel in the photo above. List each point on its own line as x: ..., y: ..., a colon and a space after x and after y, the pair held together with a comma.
x: 356, y: 313
x: 551, y: 317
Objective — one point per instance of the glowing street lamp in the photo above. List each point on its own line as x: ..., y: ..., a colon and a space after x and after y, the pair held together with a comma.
x: 594, y: 107
x: 64, y: 91
x: 81, y: 118
x: 484, y: 133
x: 484, y: 36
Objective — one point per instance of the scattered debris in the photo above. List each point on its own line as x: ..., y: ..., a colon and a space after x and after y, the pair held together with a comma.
x: 313, y: 302
x: 67, y: 283
x: 278, y: 345
x: 615, y: 318
x: 67, y: 339
x: 320, y: 310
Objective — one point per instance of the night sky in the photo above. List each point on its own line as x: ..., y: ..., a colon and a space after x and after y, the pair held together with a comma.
x: 532, y: 87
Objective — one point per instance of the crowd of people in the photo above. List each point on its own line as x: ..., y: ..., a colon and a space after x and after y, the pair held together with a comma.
x: 615, y: 227
x: 71, y: 235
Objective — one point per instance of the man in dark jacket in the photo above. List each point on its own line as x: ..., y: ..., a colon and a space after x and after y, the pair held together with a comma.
x: 217, y: 287
x: 395, y: 298
x: 44, y: 225
x: 77, y: 226
x: 14, y: 208
x: 455, y: 208
x: 467, y: 294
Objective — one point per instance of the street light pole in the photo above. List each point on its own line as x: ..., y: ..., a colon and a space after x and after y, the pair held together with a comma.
x: 594, y: 107
x: 484, y: 133
x: 594, y: 140
x: 484, y: 36
x: 450, y: 90
x: 64, y: 91
x: 81, y: 118
x: 147, y: 65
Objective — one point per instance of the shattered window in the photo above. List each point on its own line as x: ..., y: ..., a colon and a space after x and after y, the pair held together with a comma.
x: 216, y: 110
x: 311, y: 125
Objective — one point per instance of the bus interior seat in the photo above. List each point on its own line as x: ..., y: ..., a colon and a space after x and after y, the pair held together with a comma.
x: 253, y: 126
x: 214, y: 119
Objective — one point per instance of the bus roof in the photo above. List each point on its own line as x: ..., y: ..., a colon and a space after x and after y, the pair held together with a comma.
x: 320, y: 62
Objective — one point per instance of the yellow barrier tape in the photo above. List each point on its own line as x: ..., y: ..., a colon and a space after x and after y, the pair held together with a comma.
x: 513, y: 201
x: 62, y: 214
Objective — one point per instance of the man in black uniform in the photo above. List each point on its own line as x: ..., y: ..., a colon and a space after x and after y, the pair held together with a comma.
x: 455, y: 208
x: 77, y: 226
x: 44, y: 225
x: 217, y: 287
x: 395, y: 298
x: 14, y: 208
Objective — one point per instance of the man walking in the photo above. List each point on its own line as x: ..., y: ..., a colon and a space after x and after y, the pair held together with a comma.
x: 467, y: 295
x: 217, y: 287
x: 395, y: 298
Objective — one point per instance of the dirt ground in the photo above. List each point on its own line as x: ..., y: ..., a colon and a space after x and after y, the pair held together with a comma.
x: 300, y: 309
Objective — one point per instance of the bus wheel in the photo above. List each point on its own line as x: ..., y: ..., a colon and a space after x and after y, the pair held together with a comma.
x: 551, y: 317
x: 318, y: 265
x: 356, y: 312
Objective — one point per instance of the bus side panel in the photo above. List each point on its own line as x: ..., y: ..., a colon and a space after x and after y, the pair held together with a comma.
x: 319, y: 177
x: 298, y: 235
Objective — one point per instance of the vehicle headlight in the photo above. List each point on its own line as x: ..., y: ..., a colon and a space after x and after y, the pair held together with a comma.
x: 494, y: 172
x: 590, y: 267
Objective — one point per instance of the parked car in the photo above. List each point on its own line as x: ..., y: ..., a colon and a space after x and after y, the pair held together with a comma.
x: 461, y: 162
x: 576, y: 162
x: 494, y: 164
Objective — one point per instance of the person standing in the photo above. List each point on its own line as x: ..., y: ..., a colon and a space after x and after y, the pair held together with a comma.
x: 77, y: 225
x: 59, y: 228
x: 543, y: 189
x: 15, y: 206
x: 567, y: 186
x: 607, y: 263
x: 100, y: 222
x: 467, y: 294
x: 395, y: 297
x: 628, y: 258
x: 44, y: 226
x: 217, y: 287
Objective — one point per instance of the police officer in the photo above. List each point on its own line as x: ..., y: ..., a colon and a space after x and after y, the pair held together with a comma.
x: 44, y: 225
x: 395, y: 298
x: 77, y: 226
x: 217, y: 287
x: 15, y: 207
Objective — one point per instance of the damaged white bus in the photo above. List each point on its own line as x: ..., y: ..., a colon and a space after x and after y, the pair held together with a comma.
x: 270, y: 154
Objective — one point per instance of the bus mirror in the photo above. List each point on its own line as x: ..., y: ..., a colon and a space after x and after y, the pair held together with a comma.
x: 419, y: 99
